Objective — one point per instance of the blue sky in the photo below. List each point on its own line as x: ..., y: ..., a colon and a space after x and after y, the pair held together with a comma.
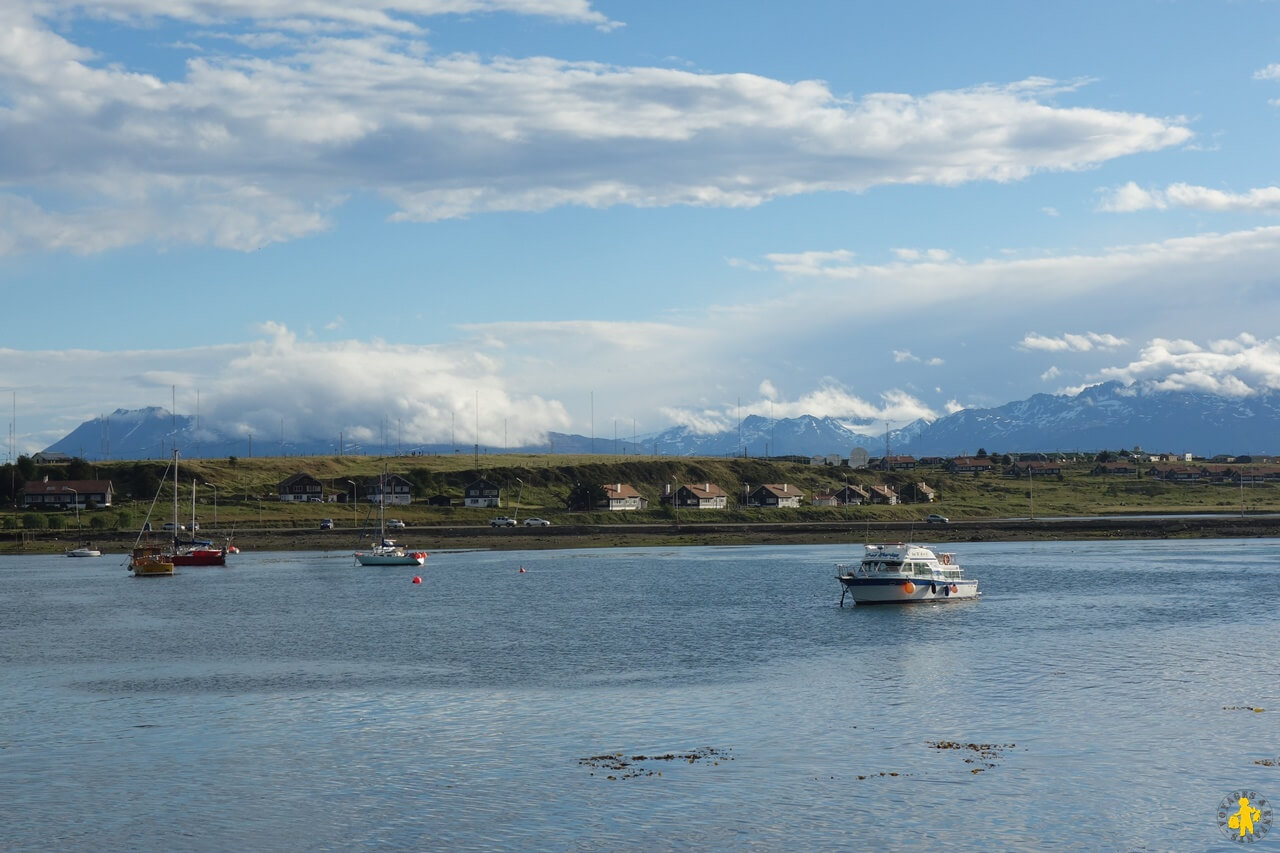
x: 332, y: 214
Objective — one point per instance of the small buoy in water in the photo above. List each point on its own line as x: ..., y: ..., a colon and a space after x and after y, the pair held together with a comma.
x: 522, y: 570
x: 417, y: 579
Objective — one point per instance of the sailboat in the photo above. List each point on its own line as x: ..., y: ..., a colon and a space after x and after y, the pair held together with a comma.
x: 387, y: 552
x: 149, y: 559
x: 195, y: 552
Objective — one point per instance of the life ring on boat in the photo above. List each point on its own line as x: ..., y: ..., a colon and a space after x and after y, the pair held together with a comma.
x: 954, y: 588
x: 945, y: 559
x: 908, y: 587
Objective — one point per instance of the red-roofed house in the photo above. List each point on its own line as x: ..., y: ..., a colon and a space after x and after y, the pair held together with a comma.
x: 620, y: 496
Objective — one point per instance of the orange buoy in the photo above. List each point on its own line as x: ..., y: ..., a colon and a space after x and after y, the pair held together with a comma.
x: 417, y: 579
x: 908, y: 587
x: 954, y: 589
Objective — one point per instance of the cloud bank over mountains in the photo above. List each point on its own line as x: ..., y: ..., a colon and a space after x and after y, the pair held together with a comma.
x: 279, y: 113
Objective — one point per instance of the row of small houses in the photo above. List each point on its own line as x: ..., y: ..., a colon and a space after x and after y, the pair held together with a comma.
x: 484, y: 493
x: 65, y: 494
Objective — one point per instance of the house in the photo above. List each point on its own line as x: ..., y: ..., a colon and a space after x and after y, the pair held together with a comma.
x: 1176, y: 473
x: 440, y: 500
x: 897, y: 463
x: 1119, y: 468
x: 775, y: 495
x: 482, y: 493
x: 398, y: 490
x: 1254, y: 476
x: 935, y: 461
x: 66, y: 494
x: 698, y: 496
x: 882, y: 494
x: 1034, y: 469
x: 969, y: 465
x: 824, y: 499
x: 621, y: 496
x: 47, y: 457
x: 300, y: 487
x: 851, y: 495
x: 924, y: 493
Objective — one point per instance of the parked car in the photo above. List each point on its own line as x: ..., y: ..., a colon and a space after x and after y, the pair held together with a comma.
x: 395, y: 523
x: 934, y: 518
x: 326, y: 524
x: 536, y: 522
x: 502, y: 521
x: 169, y: 526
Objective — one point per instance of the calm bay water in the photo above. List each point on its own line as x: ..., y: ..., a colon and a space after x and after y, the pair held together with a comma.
x: 296, y: 702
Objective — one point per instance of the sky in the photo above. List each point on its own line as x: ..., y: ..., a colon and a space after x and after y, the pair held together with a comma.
x: 491, y: 219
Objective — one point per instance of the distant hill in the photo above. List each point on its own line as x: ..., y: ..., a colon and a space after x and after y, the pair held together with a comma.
x: 1107, y: 416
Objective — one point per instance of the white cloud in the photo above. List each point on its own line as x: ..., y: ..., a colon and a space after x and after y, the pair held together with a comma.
x: 540, y: 375
x: 375, y: 14
x: 1271, y: 72
x: 1051, y: 373
x: 1071, y: 342
x: 1130, y: 198
x: 1050, y: 211
x: 260, y: 144
x: 1229, y: 367
x: 316, y: 389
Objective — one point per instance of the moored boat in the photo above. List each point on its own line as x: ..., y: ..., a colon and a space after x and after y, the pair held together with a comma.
x: 904, y: 573
x: 150, y: 561
x: 199, y: 554
x: 387, y: 552
x: 83, y: 551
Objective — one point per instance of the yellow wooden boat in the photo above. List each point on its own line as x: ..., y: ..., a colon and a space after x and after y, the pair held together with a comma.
x: 150, y: 561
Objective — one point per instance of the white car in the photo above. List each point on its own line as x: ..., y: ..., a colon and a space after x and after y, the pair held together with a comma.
x: 502, y: 521
x: 169, y: 525
x: 536, y: 522
x: 395, y: 523
x: 934, y: 518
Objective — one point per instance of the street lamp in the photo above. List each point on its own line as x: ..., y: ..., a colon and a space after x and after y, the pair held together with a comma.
x: 76, y: 497
x: 355, y: 499
x: 215, y: 504
x: 519, y: 496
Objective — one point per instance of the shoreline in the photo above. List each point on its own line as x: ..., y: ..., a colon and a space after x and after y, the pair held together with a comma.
x: 670, y: 534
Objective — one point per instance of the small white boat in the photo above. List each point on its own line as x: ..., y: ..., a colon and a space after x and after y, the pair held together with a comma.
x: 387, y: 552
x: 903, y: 573
x: 390, y: 554
x: 83, y: 551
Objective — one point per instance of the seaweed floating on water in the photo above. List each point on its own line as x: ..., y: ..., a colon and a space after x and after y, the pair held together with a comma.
x: 1268, y: 762
x: 987, y: 755
x: 643, y: 765
x: 874, y: 775
x: 1243, y: 708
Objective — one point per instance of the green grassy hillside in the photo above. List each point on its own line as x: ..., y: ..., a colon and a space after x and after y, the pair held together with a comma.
x: 243, y: 491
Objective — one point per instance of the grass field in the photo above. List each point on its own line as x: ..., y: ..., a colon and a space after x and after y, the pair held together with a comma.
x: 242, y: 492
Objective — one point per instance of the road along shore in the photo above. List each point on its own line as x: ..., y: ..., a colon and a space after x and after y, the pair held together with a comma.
x: 666, y: 534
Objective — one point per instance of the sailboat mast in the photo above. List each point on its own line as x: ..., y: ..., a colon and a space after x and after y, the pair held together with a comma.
x: 175, y: 494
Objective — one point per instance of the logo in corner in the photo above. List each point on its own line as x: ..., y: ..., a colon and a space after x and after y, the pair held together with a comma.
x: 1244, y: 816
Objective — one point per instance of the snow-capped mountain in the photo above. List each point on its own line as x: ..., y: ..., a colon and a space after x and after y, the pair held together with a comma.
x: 1108, y: 416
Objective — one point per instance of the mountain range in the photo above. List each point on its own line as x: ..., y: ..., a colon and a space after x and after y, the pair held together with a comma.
x: 1107, y: 416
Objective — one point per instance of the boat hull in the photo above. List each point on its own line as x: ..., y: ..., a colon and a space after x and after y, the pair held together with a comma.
x: 410, y: 559
x: 201, y: 557
x: 151, y: 567
x: 84, y: 552
x: 895, y: 591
